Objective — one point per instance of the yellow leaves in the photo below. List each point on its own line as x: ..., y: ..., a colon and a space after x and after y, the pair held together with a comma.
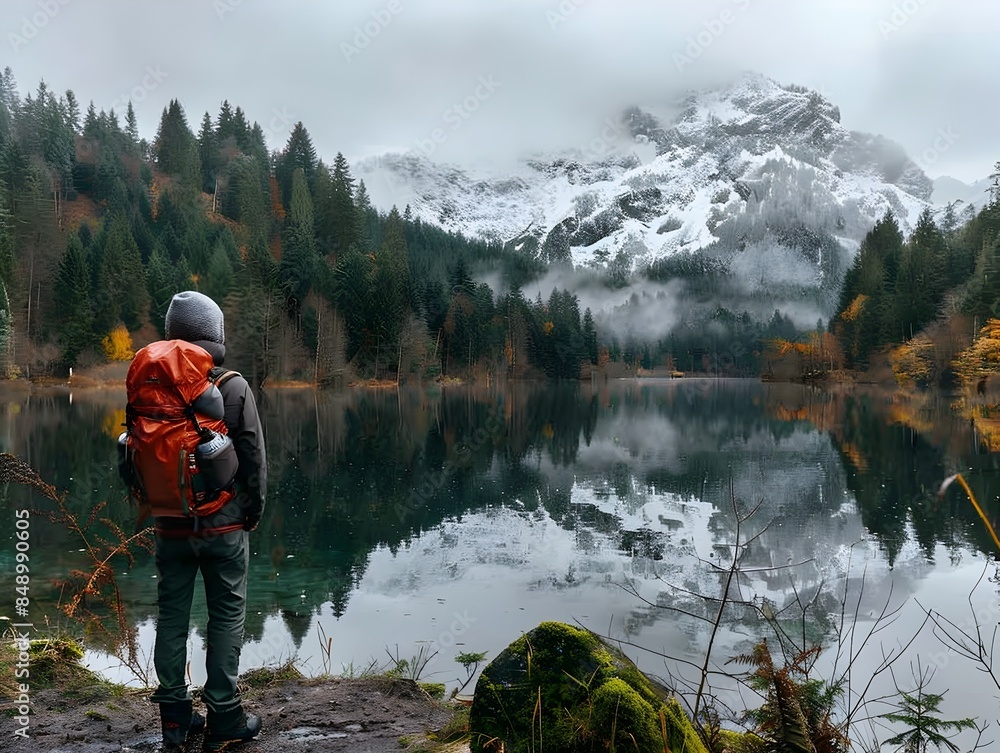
x: 991, y: 329
x: 117, y: 344
x: 113, y: 422
x: 855, y: 456
x: 779, y: 348
x: 988, y: 432
x: 547, y: 328
x: 982, y: 357
x: 913, y: 362
x: 853, y: 311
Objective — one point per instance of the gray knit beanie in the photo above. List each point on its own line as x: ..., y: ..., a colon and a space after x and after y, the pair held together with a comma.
x: 194, y: 316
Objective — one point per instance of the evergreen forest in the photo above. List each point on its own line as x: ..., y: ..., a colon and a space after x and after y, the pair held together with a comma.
x: 100, y: 227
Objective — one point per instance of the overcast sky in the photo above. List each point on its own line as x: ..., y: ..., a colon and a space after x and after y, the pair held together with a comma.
x: 498, y: 78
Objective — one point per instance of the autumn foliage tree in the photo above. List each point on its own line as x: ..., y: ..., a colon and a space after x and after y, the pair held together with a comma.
x: 117, y: 344
x: 983, y: 357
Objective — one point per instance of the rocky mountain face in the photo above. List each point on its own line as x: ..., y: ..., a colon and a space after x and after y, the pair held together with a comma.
x: 758, y: 182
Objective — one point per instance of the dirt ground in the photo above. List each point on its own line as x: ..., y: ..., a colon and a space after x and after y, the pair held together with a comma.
x: 360, y: 715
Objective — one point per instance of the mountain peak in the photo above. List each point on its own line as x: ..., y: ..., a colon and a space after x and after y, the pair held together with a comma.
x: 734, y: 163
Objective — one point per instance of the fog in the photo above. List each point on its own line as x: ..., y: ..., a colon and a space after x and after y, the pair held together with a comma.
x: 369, y: 75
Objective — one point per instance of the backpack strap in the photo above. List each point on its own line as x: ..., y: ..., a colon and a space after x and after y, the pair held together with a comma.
x: 224, y: 376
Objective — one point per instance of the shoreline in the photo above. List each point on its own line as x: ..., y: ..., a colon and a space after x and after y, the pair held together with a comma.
x: 72, y: 706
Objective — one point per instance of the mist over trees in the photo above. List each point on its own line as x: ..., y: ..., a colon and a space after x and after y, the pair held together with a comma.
x: 99, y: 228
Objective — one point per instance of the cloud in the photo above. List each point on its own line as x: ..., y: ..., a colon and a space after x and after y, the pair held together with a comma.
x: 564, y: 65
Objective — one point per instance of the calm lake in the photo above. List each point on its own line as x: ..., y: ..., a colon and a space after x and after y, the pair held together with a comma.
x: 456, y: 518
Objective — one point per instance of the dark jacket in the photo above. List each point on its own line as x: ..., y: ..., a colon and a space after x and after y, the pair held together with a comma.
x: 247, y: 434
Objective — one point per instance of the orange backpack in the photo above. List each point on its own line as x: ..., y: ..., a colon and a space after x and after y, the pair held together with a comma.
x: 173, y: 406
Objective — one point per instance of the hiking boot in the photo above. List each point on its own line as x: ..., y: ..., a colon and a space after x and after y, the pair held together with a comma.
x: 230, y: 727
x: 178, y: 720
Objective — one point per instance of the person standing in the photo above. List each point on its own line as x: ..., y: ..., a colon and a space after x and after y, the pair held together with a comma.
x: 218, y: 546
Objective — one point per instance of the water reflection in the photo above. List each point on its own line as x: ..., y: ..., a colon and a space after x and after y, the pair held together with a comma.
x: 395, y: 516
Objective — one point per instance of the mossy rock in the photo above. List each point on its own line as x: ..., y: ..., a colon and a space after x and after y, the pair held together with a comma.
x: 741, y: 742
x: 563, y: 690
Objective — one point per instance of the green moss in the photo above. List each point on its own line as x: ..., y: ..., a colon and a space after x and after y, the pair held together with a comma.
x: 681, y: 734
x: 434, y: 689
x: 97, y: 716
x: 266, y: 676
x: 741, y: 742
x: 561, y: 687
x: 448, y: 739
x: 457, y: 727
x: 55, y: 663
x: 624, y: 718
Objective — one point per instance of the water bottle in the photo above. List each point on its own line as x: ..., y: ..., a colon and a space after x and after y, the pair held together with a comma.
x: 126, y: 464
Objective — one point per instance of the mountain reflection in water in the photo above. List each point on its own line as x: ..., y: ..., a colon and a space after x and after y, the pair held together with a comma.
x: 460, y: 517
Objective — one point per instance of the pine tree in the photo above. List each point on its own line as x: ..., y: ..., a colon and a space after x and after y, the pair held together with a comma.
x: 391, y: 285
x: 299, y: 259
x: 353, y: 295
x: 867, y: 317
x: 928, y: 252
x: 72, y: 111
x: 163, y: 280
x: 9, y: 104
x: 364, y: 208
x: 208, y: 153
x: 7, y: 263
x: 131, y: 125
x: 589, y: 337
x: 241, y: 129
x: 219, y: 273
x: 175, y: 148
x: 995, y: 184
x: 299, y: 154
x: 249, y: 205
x: 225, y: 127
x: 91, y: 125
x: 920, y: 712
x: 336, y: 215
x: 74, y: 317
x: 121, y: 283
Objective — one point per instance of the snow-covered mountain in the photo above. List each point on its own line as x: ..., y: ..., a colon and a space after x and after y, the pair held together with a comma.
x: 759, y: 176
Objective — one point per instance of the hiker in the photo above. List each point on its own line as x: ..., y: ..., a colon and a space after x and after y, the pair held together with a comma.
x: 216, y: 544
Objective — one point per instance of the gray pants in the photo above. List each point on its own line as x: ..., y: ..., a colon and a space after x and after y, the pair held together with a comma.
x: 223, y: 560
